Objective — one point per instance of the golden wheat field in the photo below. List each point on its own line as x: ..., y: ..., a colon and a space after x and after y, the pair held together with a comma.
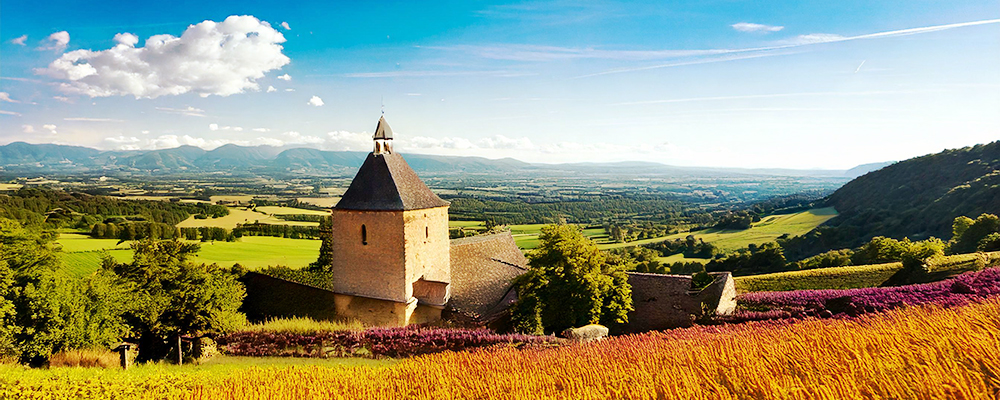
x: 913, y: 353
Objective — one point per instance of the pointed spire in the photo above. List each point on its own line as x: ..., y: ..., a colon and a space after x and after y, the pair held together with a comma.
x: 382, y: 131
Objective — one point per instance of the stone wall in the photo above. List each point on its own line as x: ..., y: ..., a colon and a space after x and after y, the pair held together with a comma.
x: 373, y: 267
x: 666, y: 301
x: 426, y: 244
x: 269, y: 297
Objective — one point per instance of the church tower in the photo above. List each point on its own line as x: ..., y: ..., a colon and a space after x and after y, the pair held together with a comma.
x: 390, y: 244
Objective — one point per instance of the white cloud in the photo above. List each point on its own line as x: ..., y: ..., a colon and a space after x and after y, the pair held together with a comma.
x: 62, y: 99
x: 56, y: 41
x: 285, y: 77
x: 423, y: 142
x: 315, y: 101
x: 297, y: 138
x: 27, y: 129
x: 503, y: 142
x: 289, y: 90
x: 189, y: 111
x: 238, y: 129
x: 19, y: 40
x: 144, y: 132
x: 271, y: 89
x: 265, y: 141
x: 349, y: 141
x: 51, y: 128
x: 814, y: 38
x: 752, y: 27
x: 213, y: 127
x: 261, y: 130
x: 285, y: 25
x: 122, y: 139
x: 5, y: 112
x: 4, y: 96
x: 209, y: 58
x: 172, y: 141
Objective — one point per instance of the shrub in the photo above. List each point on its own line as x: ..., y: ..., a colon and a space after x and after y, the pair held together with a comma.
x: 376, y: 342
x: 850, y: 277
x: 85, y: 358
x: 304, y: 326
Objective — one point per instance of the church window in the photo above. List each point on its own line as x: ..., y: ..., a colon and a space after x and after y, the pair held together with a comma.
x: 364, y: 235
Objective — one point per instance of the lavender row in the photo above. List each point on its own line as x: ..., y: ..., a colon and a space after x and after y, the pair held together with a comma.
x: 827, y: 303
x: 388, y: 342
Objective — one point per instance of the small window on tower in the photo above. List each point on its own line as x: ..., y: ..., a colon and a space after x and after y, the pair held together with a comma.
x: 364, y: 235
x: 427, y: 232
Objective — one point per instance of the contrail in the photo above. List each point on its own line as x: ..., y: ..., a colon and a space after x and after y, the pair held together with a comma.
x: 859, y: 66
x: 815, y: 41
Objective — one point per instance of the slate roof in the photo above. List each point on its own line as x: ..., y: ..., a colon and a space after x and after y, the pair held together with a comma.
x: 386, y: 182
x: 482, y: 271
x: 382, y: 130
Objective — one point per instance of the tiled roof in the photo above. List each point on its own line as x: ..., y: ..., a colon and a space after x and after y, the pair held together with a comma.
x: 386, y: 182
x: 482, y: 271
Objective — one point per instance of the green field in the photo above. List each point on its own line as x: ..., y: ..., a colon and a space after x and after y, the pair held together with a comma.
x: 242, y: 216
x: 767, y: 230
x: 277, y: 210
x: 81, y: 255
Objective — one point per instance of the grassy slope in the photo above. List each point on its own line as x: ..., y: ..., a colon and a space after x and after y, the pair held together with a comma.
x: 276, y: 210
x: 769, y: 229
x: 861, y: 276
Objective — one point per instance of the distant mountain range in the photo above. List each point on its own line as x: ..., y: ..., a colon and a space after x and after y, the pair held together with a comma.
x: 20, y: 157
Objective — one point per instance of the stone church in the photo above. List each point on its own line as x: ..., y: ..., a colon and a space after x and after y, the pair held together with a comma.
x: 393, y: 263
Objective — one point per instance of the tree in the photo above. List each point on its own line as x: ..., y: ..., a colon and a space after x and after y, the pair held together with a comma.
x: 325, y: 259
x: 969, y: 235
x: 571, y: 283
x: 172, y: 297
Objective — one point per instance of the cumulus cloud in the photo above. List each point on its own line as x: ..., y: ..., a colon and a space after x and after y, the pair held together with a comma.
x: 172, y: 141
x: 315, y: 101
x: 261, y: 130
x: 4, y: 96
x: 51, y: 128
x: 289, y: 90
x: 285, y: 25
x: 298, y: 138
x: 19, y: 40
x: 213, y: 127
x: 271, y: 89
x: 56, y: 41
x: 285, y: 77
x: 122, y: 139
x: 348, y: 141
x: 503, y: 142
x: 209, y: 58
x: 752, y: 27
x: 27, y: 129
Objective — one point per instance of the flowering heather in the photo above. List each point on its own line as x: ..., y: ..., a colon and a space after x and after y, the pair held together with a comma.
x: 389, y: 342
x: 967, y: 287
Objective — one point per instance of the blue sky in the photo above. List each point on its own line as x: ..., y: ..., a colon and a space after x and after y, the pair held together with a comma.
x: 809, y: 84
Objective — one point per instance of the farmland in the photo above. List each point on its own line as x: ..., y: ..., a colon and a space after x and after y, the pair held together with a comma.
x: 82, y: 255
x: 955, y: 349
x: 242, y: 216
x: 767, y: 230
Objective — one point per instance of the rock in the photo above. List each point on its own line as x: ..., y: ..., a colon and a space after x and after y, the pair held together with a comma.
x: 586, y: 333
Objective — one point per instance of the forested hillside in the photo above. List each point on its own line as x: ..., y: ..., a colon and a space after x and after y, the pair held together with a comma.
x: 916, y: 198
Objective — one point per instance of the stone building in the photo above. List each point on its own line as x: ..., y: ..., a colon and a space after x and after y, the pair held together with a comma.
x: 393, y: 264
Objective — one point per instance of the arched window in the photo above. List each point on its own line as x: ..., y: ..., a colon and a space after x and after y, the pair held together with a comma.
x: 364, y: 235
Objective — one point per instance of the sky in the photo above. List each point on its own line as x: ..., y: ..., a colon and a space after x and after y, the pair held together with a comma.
x: 804, y: 84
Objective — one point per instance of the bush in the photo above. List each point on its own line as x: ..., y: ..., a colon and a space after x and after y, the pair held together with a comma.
x: 850, y: 277
x: 304, y: 326
x: 87, y: 358
x: 374, y: 342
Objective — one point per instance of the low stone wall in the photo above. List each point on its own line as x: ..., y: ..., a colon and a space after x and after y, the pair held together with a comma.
x: 269, y: 297
x: 667, y: 301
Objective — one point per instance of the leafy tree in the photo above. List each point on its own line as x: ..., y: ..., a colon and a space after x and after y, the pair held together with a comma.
x: 917, y: 252
x: 969, y: 235
x: 172, y: 297
x: 571, y: 283
x: 880, y: 250
x: 990, y: 243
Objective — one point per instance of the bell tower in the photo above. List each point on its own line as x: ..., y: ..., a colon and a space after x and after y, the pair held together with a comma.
x: 390, y: 244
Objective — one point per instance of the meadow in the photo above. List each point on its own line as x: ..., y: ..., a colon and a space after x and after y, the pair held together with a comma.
x: 81, y: 254
x: 924, y: 352
x: 239, y: 215
x: 767, y: 230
